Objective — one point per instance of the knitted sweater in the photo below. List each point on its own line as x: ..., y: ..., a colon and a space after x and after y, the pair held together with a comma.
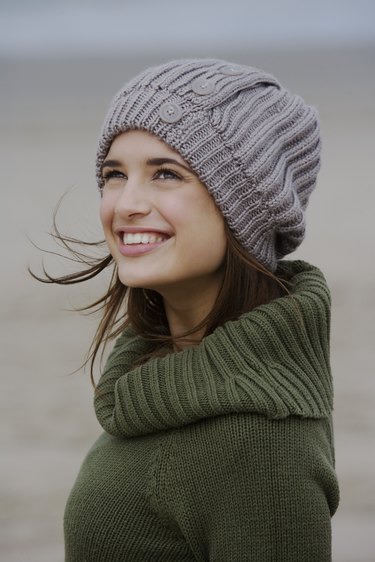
x: 220, y: 452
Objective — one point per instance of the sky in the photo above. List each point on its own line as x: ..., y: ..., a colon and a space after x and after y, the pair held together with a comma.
x: 46, y: 28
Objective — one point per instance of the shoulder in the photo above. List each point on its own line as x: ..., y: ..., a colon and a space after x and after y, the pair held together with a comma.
x: 253, y: 454
x: 254, y: 433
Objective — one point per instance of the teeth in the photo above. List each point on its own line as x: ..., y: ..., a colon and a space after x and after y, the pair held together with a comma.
x: 141, y: 238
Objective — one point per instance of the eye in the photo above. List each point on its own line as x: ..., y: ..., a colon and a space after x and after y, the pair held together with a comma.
x: 167, y: 174
x: 113, y: 175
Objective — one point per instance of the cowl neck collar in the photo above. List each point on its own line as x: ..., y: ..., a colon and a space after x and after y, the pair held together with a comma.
x: 272, y: 361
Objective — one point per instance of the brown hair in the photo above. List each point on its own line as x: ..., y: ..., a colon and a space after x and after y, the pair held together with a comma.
x: 246, y: 284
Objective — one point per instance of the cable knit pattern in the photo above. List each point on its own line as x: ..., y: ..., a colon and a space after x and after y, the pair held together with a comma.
x: 222, y: 452
x: 253, y: 144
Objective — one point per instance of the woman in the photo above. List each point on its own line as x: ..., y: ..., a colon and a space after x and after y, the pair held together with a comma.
x: 216, y: 398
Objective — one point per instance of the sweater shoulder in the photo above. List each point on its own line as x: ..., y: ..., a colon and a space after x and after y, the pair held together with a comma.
x: 255, y: 435
x: 248, y: 452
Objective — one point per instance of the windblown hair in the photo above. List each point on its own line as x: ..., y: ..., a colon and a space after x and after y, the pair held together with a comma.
x: 246, y: 285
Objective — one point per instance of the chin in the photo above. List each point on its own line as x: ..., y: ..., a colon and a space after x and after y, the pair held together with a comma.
x: 136, y: 282
x: 131, y: 283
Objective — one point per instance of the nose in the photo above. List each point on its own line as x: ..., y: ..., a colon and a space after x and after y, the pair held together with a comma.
x: 133, y: 201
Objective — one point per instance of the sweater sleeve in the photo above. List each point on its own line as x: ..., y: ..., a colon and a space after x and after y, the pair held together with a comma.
x: 252, y: 488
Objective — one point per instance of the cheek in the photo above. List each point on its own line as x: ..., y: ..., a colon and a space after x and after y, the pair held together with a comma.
x: 215, y: 240
x: 206, y: 238
x: 216, y: 243
x: 105, y: 213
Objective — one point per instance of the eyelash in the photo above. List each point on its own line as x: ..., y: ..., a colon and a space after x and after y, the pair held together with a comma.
x: 174, y: 174
x: 117, y: 174
x: 110, y: 175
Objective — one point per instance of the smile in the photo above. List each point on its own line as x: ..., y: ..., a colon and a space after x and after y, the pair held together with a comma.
x: 134, y: 244
x: 129, y: 238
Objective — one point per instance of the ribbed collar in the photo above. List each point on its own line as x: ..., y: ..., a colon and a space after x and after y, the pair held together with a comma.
x: 273, y: 360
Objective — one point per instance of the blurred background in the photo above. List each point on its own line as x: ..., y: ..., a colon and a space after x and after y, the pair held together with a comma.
x: 60, y: 65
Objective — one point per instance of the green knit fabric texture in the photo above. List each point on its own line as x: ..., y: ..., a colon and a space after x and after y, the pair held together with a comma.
x: 222, y: 452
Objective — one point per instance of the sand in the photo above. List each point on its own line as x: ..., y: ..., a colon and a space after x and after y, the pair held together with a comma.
x: 50, y: 116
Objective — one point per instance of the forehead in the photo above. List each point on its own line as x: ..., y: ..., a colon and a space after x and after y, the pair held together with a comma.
x: 139, y: 142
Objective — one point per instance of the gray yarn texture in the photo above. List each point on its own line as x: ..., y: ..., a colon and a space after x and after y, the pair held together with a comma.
x: 253, y: 144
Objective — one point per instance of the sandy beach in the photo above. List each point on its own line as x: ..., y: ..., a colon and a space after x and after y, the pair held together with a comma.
x: 50, y: 117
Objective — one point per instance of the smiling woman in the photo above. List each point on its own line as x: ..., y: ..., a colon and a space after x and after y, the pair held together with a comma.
x: 216, y: 399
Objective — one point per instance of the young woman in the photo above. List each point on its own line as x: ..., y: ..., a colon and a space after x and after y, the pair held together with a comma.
x: 216, y: 398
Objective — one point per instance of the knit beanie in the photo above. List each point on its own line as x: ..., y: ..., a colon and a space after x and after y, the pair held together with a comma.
x: 254, y: 145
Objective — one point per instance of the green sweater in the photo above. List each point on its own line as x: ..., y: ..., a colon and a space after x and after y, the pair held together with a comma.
x: 220, y: 452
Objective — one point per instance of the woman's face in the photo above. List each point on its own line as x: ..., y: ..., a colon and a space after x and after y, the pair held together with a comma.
x: 162, y: 226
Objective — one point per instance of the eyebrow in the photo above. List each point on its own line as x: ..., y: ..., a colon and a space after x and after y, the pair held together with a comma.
x: 149, y: 162
x: 110, y: 164
x: 161, y: 161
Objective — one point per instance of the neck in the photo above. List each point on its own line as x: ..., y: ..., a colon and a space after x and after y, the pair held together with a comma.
x: 186, y: 307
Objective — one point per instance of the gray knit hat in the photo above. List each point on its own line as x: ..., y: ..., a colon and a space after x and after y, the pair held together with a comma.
x: 252, y: 143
